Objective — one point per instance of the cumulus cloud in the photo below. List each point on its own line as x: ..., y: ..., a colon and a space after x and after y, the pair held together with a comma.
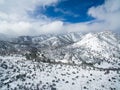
x: 21, y: 6
x: 107, y: 14
x: 14, y: 18
x: 106, y: 18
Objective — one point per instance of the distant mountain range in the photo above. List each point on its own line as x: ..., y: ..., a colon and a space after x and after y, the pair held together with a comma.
x: 94, y: 48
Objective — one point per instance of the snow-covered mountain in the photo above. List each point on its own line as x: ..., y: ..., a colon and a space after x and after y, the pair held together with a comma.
x: 61, y: 40
x: 48, y: 40
x: 61, y: 61
x: 6, y: 48
x: 74, y: 47
x: 102, y: 45
x: 95, y: 48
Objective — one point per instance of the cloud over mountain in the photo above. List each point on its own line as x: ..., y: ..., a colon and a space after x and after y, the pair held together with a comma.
x: 16, y: 20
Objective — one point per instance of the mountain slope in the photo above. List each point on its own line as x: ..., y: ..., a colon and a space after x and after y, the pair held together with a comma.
x: 57, y: 41
x: 17, y: 73
x: 100, y: 46
x: 61, y: 62
x: 93, y: 48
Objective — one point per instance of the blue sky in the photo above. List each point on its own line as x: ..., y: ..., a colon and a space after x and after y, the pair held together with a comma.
x: 72, y: 11
x: 35, y: 17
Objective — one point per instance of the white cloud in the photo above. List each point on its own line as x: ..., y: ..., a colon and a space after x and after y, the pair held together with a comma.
x: 14, y: 19
x: 21, y: 6
x: 55, y: 27
x: 106, y: 18
x: 109, y: 13
x: 66, y: 12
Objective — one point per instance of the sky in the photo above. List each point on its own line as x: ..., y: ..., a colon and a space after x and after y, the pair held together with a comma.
x: 35, y: 17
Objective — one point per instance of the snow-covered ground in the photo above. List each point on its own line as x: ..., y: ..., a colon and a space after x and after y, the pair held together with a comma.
x: 17, y: 73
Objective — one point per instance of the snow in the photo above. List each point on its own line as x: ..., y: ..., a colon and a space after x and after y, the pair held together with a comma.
x: 90, y: 41
x: 102, y: 45
x: 45, y: 76
x: 76, y: 62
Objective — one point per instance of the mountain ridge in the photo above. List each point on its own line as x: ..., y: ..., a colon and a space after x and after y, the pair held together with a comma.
x: 72, y: 47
